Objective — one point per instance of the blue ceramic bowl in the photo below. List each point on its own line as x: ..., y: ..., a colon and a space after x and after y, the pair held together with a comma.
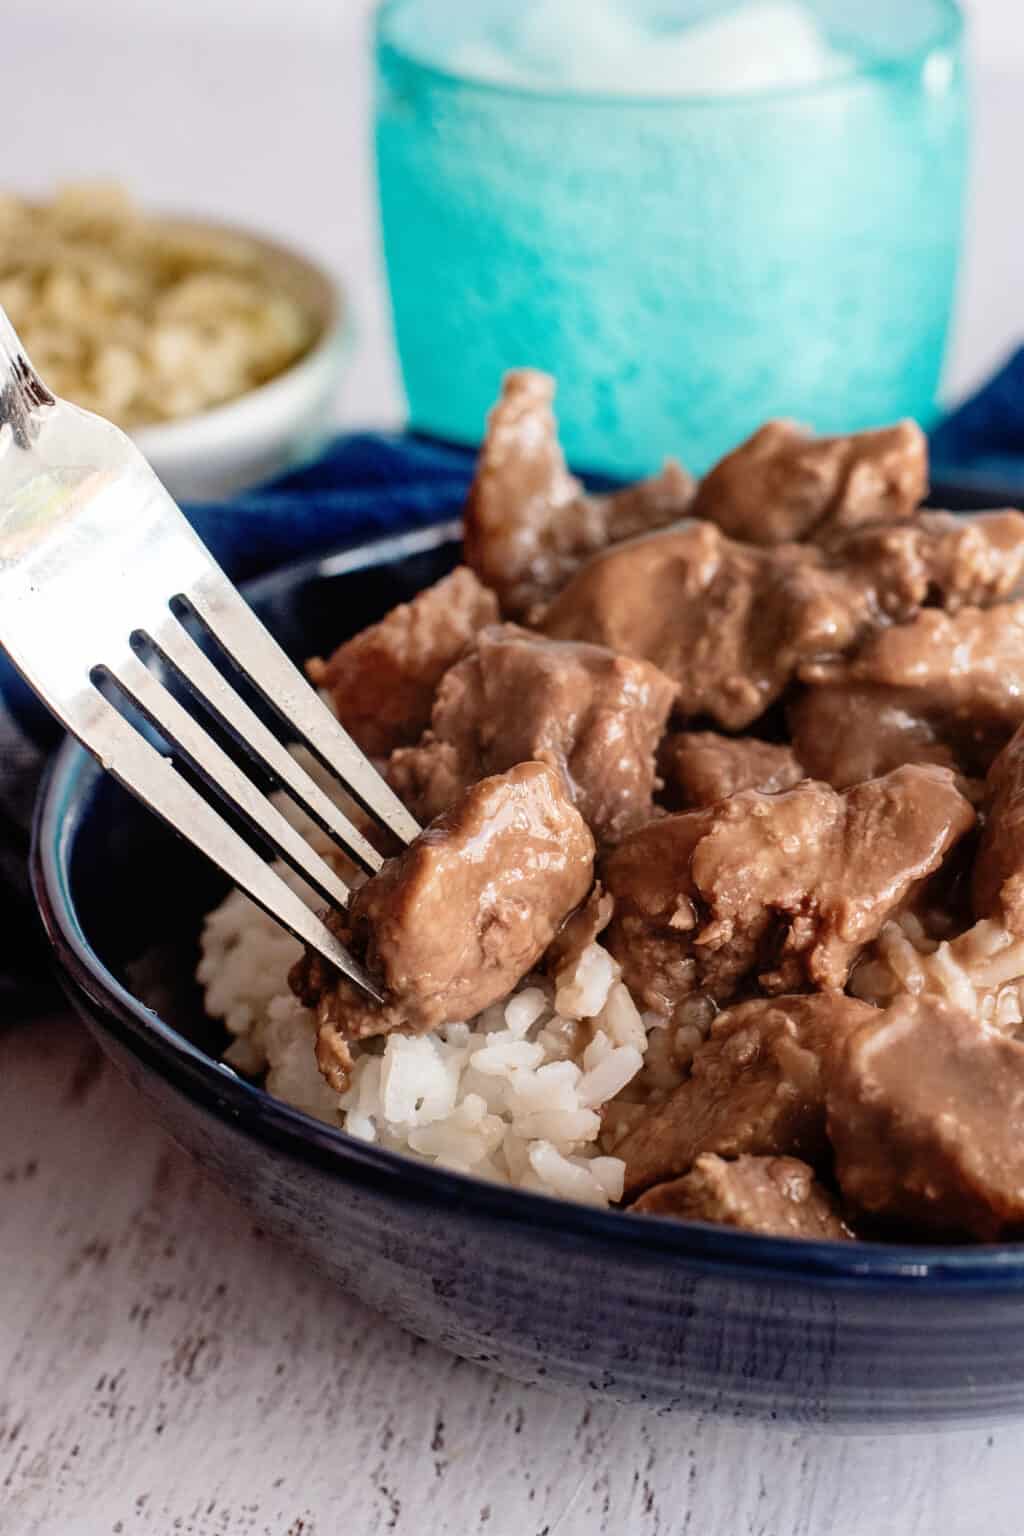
x: 678, y: 1315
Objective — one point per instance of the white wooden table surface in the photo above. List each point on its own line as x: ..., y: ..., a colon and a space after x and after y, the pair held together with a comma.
x: 165, y: 1368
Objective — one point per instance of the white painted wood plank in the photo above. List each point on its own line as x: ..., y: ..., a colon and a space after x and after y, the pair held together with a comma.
x: 166, y: 1368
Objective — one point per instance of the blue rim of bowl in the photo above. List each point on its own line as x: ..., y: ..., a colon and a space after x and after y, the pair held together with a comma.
x: 927, y: 1268
x: 948, y: 31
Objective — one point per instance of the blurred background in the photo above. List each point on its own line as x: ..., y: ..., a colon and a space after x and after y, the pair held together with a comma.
x: 261, y: 112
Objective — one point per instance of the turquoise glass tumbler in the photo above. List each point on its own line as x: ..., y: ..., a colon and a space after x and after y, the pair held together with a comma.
x: 685, y: 265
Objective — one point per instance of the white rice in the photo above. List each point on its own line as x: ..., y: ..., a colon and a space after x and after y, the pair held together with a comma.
x: 980, y: 971
x: 518, y: 1095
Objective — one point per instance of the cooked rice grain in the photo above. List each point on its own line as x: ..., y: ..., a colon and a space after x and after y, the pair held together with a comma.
x: 980, y: 971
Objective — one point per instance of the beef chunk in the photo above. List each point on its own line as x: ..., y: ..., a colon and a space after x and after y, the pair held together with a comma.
x: 938, y: 560
x: 382, y: 681
x: 458, y: 918
x: 783, y: 484
x: 757, y: 1085
x: 579, y: 932
x: 701, y: 767
x: 732, y: 624
x: 965, y: 669
x: 972, y: 561
x: 849, y: 732
x: 429, y: 777
x: 728, y: 622
x: 998, y: 881
x: 781, y: 890
x: 776, y: 1195
x: 594, y: 716
x: 529, y: 523
x: 926, y: 1114
x: 942, y: 688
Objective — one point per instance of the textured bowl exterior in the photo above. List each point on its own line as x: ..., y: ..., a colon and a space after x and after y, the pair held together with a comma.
x: 676, y: 1315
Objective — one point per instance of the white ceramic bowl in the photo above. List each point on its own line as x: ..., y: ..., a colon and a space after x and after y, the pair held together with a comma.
x: 212, y: 455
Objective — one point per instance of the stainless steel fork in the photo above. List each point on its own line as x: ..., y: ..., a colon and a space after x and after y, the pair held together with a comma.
x: 98, y: 568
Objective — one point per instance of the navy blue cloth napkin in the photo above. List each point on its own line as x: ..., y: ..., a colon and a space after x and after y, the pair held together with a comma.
x: 369, y: 485
x: 977, y: 452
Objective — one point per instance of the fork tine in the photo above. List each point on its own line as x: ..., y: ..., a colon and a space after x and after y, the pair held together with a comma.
x: 137, y: 764
x: 182, y: 731
x: 177, y: 647
x: 256, y: 654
